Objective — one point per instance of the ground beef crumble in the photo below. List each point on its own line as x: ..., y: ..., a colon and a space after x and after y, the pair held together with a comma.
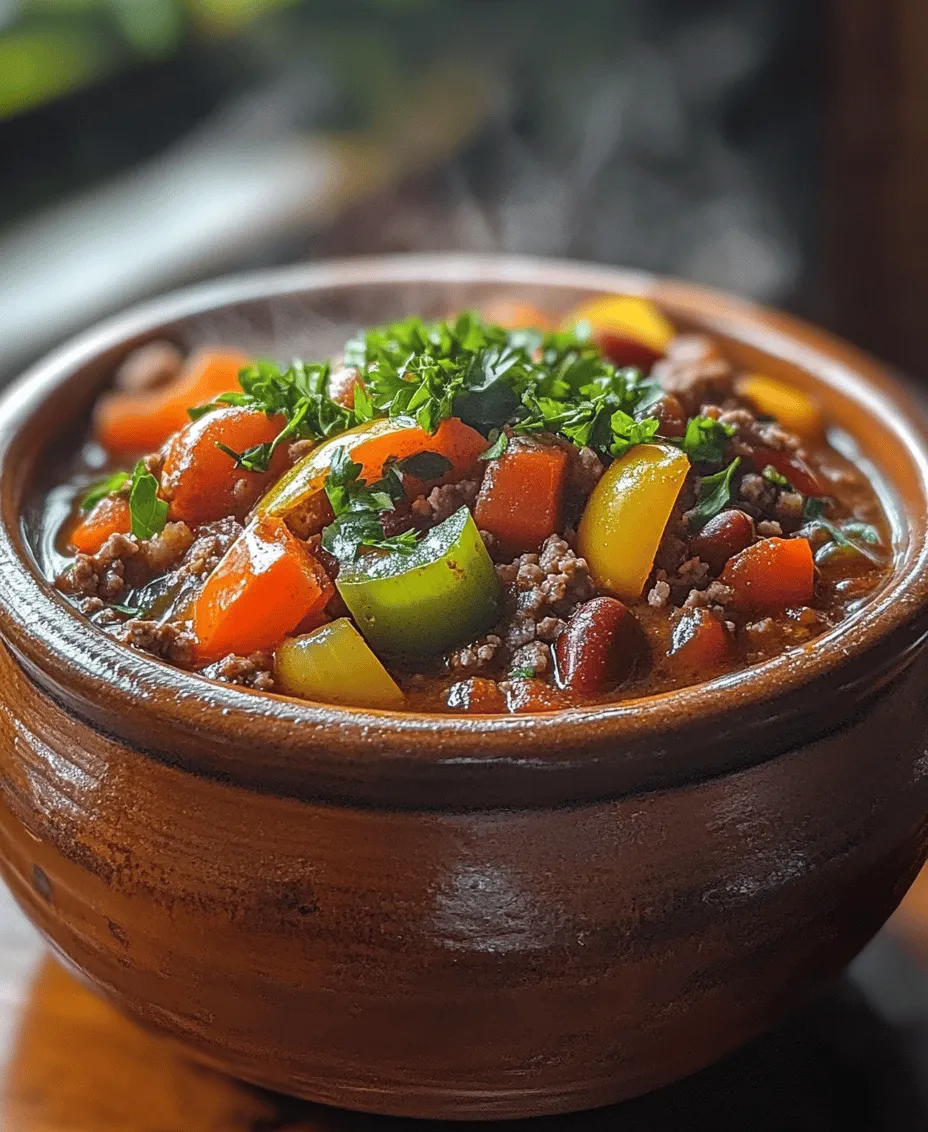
x: 541, y: 591
x: 255, y: 671
x: 169, y: 640
x: 442, y: 502
x: 695, y: 372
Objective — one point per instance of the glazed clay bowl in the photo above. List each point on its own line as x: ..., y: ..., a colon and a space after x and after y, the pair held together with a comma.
x: 459, y: 917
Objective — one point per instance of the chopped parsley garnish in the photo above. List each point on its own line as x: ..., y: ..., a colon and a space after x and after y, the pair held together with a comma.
x: 771, y: 475
x: 705, y: 440
x: 127, y: 610
x: 485, y: 375
x: 714, y: 495
x: 499, y: 442
x: 845, y: 536
x: 148, y: 513
x: 524, y: 673
x: 101, y: 490
x: 358, y: 508
x: 298, y: 394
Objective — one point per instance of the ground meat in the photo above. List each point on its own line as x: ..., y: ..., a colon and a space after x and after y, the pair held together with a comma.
x: 300, y: 448
x: 171, y: 641
x: 254, y: 671
x: 159, y: 554
x: 714, y: 595
x: 769, y: 528
x: 102, y: 574
x: 789, y: 507
x: 750, y: 433
x: 210, y: 545
x: 442, y: 502
x: 148, y: 367
x: 695, y: 372
x: 758, y: 493
x: 478, y: 657
x: 536, y: 655
x: 542, y: 592
x: 310, y: 516
x: 659, y: 594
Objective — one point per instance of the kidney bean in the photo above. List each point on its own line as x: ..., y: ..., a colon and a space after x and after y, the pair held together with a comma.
x: 626, y: 351
x: 597, y: 649
x: 722, y: 538
x: 671, y: 414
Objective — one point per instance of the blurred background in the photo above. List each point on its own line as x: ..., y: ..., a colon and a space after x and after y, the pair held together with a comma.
x: 766, y: 146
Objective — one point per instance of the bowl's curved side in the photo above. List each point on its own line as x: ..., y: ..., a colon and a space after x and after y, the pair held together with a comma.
x: 307, y: 750
x: 467, y: 964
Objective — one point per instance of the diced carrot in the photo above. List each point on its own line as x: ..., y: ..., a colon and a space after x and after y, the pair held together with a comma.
x: 201, y: 482
x: 109, y: 517
x: 699, y: 641
x: 792, y: 466
x: 142, y: 422
x: 267, y: 584
x: 520, y: 498
x: 772, y: 574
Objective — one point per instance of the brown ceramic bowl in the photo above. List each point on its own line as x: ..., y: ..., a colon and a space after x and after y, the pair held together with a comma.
x: 459, y: 917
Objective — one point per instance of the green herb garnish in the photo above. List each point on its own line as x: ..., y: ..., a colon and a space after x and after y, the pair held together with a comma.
x: 128, y: 610
x: 714, y: 495
x: 851, y: 535
x: 148, y: 513
x: 101, y: 490
x: 524, y: 673
x: 499, y: 442
x: 771, y: 475
x: 705, y: 440
x: 358, y: 508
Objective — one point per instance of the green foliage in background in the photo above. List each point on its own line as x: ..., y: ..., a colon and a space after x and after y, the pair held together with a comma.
x: 52, y: 47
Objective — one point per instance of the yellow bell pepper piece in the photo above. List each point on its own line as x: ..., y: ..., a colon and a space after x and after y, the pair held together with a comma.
x: 792, y: 408
x: 626, y: 515
x: 335, y: 665
x: 626, y: 315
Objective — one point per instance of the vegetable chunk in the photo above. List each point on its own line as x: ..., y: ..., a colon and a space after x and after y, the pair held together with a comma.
x: 520, y: 498
x: 264, y: 587
x: 425, y: 601
x: 334, y: 665
x: 626, y: 515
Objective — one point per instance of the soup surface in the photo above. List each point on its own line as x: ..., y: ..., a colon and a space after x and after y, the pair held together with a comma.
x: 465, y: 516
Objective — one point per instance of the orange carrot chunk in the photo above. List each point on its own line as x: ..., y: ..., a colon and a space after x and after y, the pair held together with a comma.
x: 267, y: 584
x: 142, y: 422
x: 520, y: 498
x: 772, y: 574
x: 699, y: 641
x: 201, y: 482
x: 109, y: 517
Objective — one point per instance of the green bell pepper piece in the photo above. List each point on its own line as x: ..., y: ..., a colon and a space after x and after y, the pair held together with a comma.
x: 421, y: 604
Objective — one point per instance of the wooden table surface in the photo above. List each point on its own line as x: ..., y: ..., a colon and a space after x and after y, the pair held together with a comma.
x: 857, y: 1059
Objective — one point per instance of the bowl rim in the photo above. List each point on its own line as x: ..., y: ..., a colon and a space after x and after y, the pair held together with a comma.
x: 309, y: 749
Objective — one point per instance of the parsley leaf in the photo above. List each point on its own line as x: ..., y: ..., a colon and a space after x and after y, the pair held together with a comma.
x: 524, y: 673
x: 148, y: 512
x: 101, y: 490
x: 358, y: 508
x: 714, y: 495
x: 499, y: 443
x: 843, y: 537
x: 128, y: 610
x: 771, y: 475
x: 705, y: 440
